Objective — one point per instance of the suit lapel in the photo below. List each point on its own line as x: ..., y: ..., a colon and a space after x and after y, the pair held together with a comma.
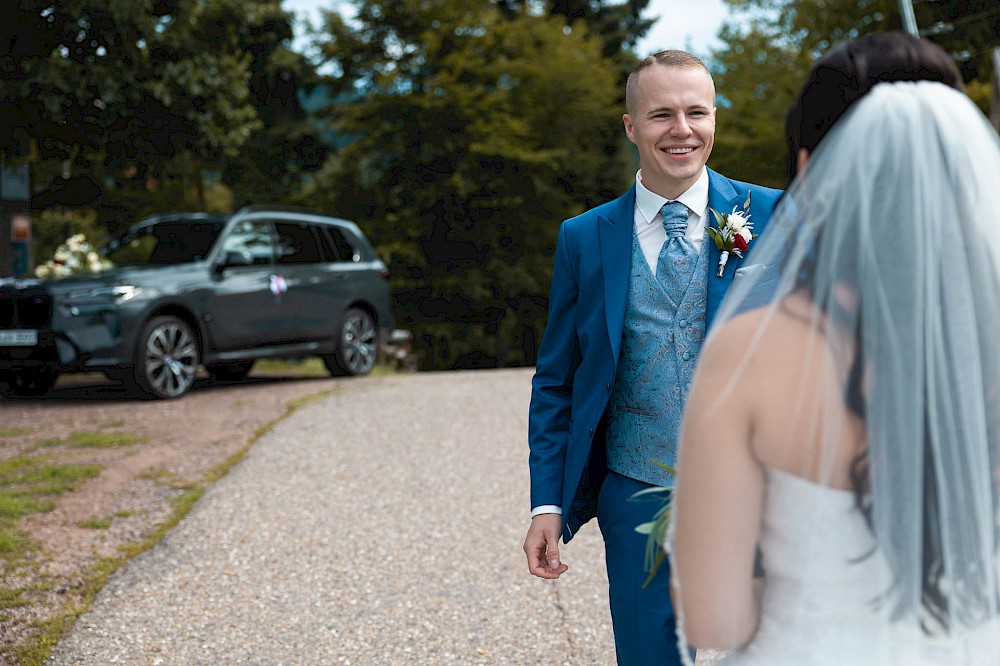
x: 616, y: 232
x: 722, y: 196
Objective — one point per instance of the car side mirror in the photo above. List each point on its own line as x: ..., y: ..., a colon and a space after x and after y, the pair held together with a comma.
x: 234, y: 258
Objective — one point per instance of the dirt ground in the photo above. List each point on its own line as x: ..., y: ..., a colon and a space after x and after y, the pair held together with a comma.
x: 184, y: 442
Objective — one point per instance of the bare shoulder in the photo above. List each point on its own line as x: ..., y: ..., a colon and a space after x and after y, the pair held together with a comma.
x: 755, y: 340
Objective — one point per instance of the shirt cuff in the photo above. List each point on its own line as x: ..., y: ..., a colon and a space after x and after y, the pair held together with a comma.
x: 546, y: 508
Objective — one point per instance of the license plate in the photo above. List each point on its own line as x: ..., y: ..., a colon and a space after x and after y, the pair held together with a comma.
x: 23, y: 338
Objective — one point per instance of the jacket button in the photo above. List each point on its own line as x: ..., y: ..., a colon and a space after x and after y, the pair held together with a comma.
x: 686, y: 355
x: 591, y: 432
x: 607, y: 387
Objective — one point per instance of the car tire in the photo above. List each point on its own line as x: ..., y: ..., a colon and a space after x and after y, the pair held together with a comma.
x: 29, y: 383
x: 166, y: 358
x: 229, y: 372
x: 357, y: 345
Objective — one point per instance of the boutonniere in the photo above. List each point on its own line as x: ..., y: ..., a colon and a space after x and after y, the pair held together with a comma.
x: 733, y: 233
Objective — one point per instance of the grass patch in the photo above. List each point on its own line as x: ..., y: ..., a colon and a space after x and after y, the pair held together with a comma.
x: 123, y: 514
x: 312, y: 367
x: 11, y: 541
x: 13, y: 506
x: 36, y: 476
x: 30, y: 485
x: 83, y: 439
x: 15, y: 432
x: 12, y: 598
x: 305, y: 367
x: 95, y: 523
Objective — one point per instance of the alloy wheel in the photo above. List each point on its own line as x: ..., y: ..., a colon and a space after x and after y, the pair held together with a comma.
x: 170, y: 357
x: 359, y: 342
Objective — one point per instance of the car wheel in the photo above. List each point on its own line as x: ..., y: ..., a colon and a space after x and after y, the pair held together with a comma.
x: 166, y: 358
x: 30, y: 383
x: 357, y: 345
x: 229, y: 372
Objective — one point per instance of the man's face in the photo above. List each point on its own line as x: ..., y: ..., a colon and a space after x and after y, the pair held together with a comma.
x: 673, y: 126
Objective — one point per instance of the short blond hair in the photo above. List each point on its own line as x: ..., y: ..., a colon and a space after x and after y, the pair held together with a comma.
x: 670, y: 58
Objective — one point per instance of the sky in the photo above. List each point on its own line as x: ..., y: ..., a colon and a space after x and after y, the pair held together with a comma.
x: 682, y: 24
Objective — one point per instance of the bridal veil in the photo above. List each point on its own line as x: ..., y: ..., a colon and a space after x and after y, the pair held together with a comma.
x: 891, y: 234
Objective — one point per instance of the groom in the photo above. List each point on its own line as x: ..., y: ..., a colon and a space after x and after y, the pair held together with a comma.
x: 634, y: 287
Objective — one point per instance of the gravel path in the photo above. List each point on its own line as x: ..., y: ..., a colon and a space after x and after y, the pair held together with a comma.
x: 379, y: 525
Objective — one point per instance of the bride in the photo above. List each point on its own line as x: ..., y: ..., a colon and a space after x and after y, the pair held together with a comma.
x: 837, y: 501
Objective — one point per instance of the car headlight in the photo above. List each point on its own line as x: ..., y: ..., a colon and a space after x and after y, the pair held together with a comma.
x: 117, y: 294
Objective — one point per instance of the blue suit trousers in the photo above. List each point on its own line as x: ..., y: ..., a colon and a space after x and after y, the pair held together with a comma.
x: 643, y: 617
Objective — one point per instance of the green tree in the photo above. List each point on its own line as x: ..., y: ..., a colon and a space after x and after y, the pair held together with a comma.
x: 116, y: 89
x: 472, y: 136
x: 619, y: 24
x: 286, y: 147
x: 768, y: 50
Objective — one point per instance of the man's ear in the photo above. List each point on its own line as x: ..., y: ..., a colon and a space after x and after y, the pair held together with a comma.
x: 628, y: 127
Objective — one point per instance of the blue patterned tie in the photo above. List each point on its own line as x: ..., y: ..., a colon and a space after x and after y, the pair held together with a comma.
x: 677, y: 258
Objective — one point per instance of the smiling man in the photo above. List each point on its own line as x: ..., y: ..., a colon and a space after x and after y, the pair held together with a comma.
x: 634, y: 288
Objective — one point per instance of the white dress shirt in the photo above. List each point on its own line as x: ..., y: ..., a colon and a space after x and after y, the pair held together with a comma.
x: 649, y: 222
x: 649, y: 229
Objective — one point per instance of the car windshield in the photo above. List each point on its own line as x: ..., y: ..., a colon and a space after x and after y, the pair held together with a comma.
x: 171, y: 242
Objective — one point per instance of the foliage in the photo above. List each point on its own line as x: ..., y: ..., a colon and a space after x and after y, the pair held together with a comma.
x: 125, y: 94
x: 475, y: 136
x: 130, y: 76
x: 620, y: 25
x: 757, y: 81
x: 287, y: 146
x: 767, y: 52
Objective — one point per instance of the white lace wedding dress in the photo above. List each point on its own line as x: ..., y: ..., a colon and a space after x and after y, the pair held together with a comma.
x: 824, y: 577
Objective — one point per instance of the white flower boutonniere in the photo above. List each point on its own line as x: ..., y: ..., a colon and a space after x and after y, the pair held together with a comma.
x: 732, y: 234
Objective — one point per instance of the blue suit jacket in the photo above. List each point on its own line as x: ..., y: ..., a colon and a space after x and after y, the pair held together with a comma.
x: 576, y: 366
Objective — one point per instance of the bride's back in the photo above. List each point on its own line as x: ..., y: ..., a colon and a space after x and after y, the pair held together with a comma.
x: 796, y: 383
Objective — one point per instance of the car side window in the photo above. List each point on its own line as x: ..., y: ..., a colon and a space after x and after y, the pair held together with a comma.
x: 345, y: 249
x: 329, y: 254
x: 297, y: 244
x: 252, y: 238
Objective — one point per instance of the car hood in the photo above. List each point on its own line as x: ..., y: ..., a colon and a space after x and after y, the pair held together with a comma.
x: 132, y: 275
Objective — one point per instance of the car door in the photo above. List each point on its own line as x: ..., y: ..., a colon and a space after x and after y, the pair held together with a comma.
x: 245, y: 307
x: 316, y: 291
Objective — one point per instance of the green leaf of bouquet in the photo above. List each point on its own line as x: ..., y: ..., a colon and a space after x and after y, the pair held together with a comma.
x: 645, y: 528
x: 655, y: 490
x: 665, y: 466
x: 720, y: 219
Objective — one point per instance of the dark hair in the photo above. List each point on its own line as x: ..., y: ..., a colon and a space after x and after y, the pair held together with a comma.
x: 834, y: 83
x: 672, y: 58
x: 848, y: 72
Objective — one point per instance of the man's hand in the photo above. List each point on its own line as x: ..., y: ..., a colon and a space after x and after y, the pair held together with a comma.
x: 542, y: 546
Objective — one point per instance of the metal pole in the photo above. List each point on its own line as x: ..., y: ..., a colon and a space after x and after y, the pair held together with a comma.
x: 909, y: 20
x: 995, y: 102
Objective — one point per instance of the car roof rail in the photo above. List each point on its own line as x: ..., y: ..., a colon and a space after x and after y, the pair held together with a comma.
x: 282, y: 208
x: 180, y: 214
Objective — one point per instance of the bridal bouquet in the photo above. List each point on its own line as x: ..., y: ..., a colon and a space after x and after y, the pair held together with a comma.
x: 656, y: 529
x: 733, y: 233
x: 75, y: 255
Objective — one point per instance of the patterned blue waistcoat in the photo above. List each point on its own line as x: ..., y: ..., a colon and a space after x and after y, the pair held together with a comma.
x: 660, y: 346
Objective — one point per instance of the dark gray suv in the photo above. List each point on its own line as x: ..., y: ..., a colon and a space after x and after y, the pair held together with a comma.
x: 190, y: 289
